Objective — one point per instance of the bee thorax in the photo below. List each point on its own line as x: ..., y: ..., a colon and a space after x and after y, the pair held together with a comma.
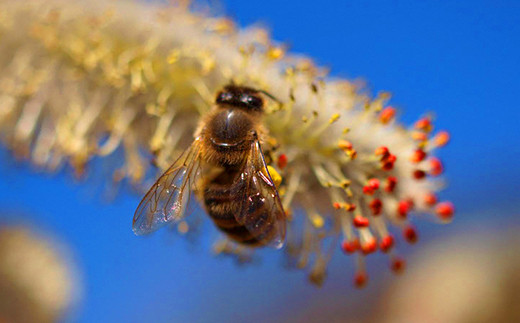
x: 228, y: 137
x: 229, y: 128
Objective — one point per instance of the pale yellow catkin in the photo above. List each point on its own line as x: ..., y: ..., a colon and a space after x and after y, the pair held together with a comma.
x: 85, y: 79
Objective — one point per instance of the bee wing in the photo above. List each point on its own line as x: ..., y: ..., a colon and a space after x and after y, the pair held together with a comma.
x: 261, y: 211
x: 167, y: 199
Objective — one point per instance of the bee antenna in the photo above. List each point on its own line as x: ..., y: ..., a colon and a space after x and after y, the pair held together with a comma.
x: 272, y: 97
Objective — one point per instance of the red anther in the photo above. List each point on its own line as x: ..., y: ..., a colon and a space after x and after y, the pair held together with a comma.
x: 418, y: 156
x: 391, y: 182
x: 442, y: 138
x: 403, y: 208
x: 436, y: 167
x: 397, y: 265
x: 360, y: 279
x: 430, y: 199
x: 419, y: 174
x: 388, y: 162
x: 376, y: 206
x: 374, y: 183
x: 360, y: 221
x: 345, y: 145
x: 350, y: 207
x: 390, y: 158
x: 386, y: 115
x: 350, y: 247
x: 382, y: 151
x: 386, y: 243
x: 410, y: 234
x: 352, y: 153
x: 445, y: 210
x: 424, y: 124
x: 419, y: 136
x: 387, y: 166
x: 369, y: 246
x: 336, y: 205
x: 282, y: 161
x: 368, y: 190
x: 411, y: 204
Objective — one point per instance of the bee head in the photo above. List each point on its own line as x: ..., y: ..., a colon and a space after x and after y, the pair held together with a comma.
x: 243, y: 97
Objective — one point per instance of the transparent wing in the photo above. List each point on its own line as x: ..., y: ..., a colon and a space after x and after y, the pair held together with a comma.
x: 167, y: 199
x: 261, y: 211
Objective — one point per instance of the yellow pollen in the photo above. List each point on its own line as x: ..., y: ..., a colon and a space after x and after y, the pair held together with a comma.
x: 275, y: 53
x: 275, y: 176
x: 334, y: 118
x: 317, y: 221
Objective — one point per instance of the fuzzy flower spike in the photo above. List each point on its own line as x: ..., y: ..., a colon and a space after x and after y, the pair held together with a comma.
x: 85, y: 79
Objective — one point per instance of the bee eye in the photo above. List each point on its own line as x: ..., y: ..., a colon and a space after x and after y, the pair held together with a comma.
x: 223, y: 97
x: 254, y: 102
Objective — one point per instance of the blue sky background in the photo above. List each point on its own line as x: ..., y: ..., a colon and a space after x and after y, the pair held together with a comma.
x: 461, y: 60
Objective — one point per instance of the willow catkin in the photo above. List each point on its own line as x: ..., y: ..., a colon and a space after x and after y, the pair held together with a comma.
x: 80, y: 79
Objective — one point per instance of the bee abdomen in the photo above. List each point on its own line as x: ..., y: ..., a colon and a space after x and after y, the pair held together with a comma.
x: 227, y: 223
x: 223, y: 206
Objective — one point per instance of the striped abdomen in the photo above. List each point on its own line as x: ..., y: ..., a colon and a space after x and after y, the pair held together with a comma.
x: 224, y: 198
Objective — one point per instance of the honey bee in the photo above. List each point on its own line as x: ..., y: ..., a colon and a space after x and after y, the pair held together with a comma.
x: 226, y: 168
